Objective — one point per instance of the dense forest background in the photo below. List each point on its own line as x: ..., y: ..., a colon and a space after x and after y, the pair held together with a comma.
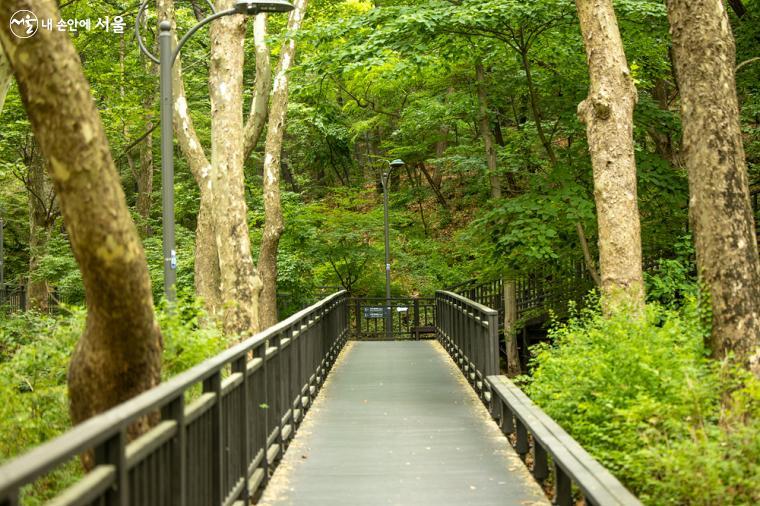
x: 480, y: 99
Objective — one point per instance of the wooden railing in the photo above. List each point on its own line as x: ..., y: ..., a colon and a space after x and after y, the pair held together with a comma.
x: 467, y: 330
x: 218, y: 449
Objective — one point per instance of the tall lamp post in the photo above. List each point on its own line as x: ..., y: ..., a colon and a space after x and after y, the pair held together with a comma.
x: 388, y: 316
x: 165, y: 60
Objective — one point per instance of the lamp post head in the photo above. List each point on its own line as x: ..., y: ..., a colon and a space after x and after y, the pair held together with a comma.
x: 396, y: 163
x: 253, y: 7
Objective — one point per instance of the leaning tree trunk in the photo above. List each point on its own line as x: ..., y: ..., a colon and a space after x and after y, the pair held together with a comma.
x: 721, y: 214
x: 260, y: 102
x: 273, y: 222
x: 119, y: 353
x: 485, y: 132
x: 608, y: 114
x: 6, y: 78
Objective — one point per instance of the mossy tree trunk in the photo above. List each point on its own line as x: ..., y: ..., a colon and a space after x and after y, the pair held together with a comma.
x: 6, y: 79
x: 42, y: 214
x: 720, y: 209
x: 119, y: 353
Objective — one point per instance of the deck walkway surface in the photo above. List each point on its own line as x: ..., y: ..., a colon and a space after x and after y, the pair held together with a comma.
x: 396, y: 423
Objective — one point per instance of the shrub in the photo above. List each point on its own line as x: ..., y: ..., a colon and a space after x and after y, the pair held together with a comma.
x: 35, y: 351
x: 644, y: 399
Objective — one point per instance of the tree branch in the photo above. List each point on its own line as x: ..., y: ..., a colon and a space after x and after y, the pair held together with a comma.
x: 747, y: 62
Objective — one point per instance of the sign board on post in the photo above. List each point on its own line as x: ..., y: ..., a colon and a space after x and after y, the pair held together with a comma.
x: 374, y: 313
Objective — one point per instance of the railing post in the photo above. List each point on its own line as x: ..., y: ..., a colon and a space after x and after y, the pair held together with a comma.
x: 213, y: 385
x: 416, y: 318
x: 240, y: 366
x: 563, y: 487
x: 492, y: 345
x: 11, y: 498
x: 113, y: 452
x: 358, y: 319
x: 540, y: 464
x: 175, y: 410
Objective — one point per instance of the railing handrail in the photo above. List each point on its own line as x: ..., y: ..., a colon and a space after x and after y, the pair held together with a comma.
x: 469, y: 302
x: 96, y: 430
x: 460, y: 332
x: 594, y: 480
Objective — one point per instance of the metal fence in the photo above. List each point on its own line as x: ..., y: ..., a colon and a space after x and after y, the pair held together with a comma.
x: 13, y: 299
x: 467, y: 330
x: 377, y: 318
x: 535, y: 293
x: 539, y: 436
x: 221, y: 447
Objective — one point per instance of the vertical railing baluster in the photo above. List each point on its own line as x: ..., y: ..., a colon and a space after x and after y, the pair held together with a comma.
x: 491, y: 365
x: 540, y: 462
x: 240, y: 366
x: 11, y: 498
x: 522, y: 446
x: 112, y: 452
x: 213, y: 384
x: 563, y: 487
x: 175, y: 410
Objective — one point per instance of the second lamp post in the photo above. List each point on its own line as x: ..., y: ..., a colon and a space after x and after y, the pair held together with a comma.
x: 388, y: 315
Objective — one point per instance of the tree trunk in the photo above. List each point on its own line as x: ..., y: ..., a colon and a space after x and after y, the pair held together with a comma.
x: 535, y: 107
x: 119, y: 354
x: 260, y: 102
x: 485, y: 132
x: 510, y: 328
x: 145, y: 167
x: 208, y: 285
x: 241, y: 284
x: 273, y: 221
x: 6, y: 79
x: 608, y: 114
x: 41, y: 217
x: 720, y: 209
x: 587, y: 259
x: 663, y: 141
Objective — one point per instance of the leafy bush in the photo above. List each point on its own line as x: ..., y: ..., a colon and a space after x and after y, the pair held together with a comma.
x: 644, y: 399
x: 35, y: 351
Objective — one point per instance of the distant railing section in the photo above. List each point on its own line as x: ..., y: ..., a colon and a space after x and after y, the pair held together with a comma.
x: 13, y: 299
x: 535, y: 293
x: 398, y: 318
x: 469, y: 332
x: 219, y: 449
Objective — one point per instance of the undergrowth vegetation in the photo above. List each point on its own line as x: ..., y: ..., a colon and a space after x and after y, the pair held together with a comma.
x: 644, y: 398
x: 35, y: 350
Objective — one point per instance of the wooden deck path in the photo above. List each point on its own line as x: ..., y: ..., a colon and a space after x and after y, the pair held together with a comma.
x: 397, y: 424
